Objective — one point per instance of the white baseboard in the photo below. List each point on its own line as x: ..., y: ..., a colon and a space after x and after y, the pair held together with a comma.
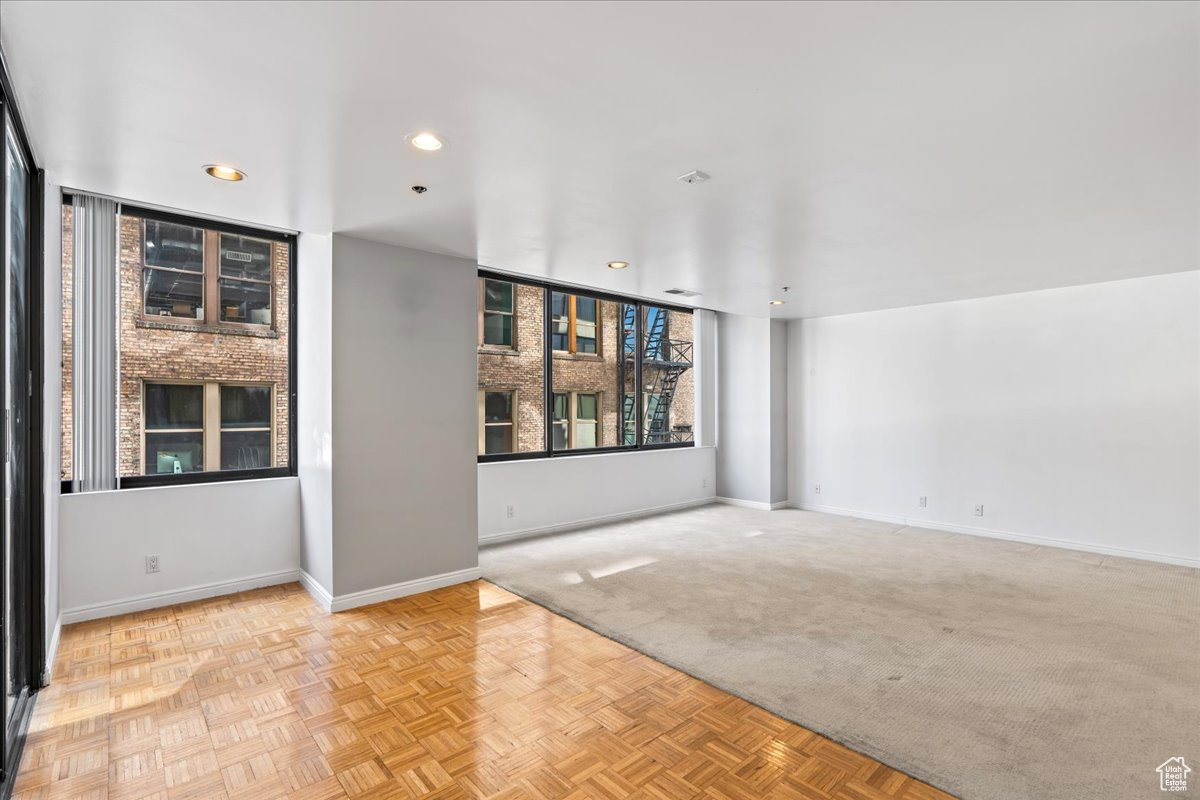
x: 733, y: 501
x: 159, y: 599
x: 52, y: 650
x: 319, y: 593
x: 529, y: 533
x: 346, y: 602
x: 992, y: 533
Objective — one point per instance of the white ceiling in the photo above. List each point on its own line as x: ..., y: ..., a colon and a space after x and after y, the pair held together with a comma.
x: 867, y: 155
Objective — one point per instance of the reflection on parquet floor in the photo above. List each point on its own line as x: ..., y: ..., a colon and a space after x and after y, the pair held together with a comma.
x: 464, y: 692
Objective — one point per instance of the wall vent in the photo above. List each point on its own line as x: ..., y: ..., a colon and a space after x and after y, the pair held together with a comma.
x: 681, y: 292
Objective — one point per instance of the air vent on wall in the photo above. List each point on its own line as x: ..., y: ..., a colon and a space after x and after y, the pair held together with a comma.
x: 681, y: 292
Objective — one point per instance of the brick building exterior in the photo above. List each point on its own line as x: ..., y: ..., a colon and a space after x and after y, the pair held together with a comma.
x: 519, y: 368
x: 154, y: 349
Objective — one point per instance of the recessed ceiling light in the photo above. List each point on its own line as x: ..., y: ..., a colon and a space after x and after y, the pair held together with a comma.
x: 777, y: 302
x: 224, y: 172
x: 425, y: 141
x: 618, y: 264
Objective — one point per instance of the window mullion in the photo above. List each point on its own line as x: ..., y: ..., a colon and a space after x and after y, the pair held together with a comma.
x: 571, y: 324
x: 212, y: 248
x: 212, y: 426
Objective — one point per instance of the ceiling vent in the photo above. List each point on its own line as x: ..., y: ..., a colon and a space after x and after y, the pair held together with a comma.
x: 681, y: 292
x: 695, y: 176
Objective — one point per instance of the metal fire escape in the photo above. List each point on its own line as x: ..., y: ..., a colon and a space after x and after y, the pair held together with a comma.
x: 664, y: 361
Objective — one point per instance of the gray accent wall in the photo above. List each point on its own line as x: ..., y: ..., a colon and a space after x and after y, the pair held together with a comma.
x: 404, y: 410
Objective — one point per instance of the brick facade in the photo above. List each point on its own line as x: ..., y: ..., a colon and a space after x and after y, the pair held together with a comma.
x: 153, y: 349
x: 520, y: 369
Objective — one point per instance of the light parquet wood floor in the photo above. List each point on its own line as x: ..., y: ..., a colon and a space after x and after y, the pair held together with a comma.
x: 464, y: 692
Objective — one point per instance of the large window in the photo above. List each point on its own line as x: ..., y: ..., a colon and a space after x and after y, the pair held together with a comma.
x: 204, y: 361
x: 619, y: 371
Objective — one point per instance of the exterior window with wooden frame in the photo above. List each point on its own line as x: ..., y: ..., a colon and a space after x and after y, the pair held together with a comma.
x: 497, y: 314
x: 196, y: 276
x: 575, y: 324
x: 576, y: 420
x: 497, y: 421
x: 206, y: 426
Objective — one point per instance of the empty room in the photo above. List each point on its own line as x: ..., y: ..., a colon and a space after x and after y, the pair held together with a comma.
x: 600, y: 400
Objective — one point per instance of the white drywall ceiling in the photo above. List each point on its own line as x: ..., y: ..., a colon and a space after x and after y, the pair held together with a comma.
x: 868, y: 155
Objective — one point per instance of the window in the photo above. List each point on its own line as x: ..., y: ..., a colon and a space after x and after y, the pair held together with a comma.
x: 668, y: 381
x: 512, y: 357
x: 245, y: 280
x: 205, y: 380
x: 576, y: 421
x: 173, y: 278
x: 174, y: 426
x: 206, y: 426
x: 179, y: 282
x: 497, y: 315
x: 575, y: 322
x: 620, y: 372
x: 246, y: 427
x: 496, y: 424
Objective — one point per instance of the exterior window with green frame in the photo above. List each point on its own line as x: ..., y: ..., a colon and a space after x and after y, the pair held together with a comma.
x: 497, y: 313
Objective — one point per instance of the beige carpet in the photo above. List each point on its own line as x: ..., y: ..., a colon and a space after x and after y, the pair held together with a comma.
x: 993, y: 670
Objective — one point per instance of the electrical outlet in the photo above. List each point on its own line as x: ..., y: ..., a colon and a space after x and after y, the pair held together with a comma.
x: 816, y: 488
x: 704, y: 483
x: 511, y: 513
x: 922, y: 501
x: 151, y: 565
x: 979, y: 510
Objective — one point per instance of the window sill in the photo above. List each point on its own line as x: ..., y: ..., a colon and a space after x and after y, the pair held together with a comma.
x: 498, y: 351
x: 578, y: 356
x: 191, y: 327
x: 131, y: 482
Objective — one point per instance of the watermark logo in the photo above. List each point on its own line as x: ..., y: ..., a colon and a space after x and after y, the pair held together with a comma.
x: 1172, y: 775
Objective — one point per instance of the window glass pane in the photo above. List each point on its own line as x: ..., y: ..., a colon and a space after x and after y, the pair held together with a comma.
x: 585, y: 435
x: 521, y: 366
x: 244, y: 257
x: 585, y: 337
x: 245, y: 406
x: 585, y: 310
x: 245, y: 301
x: 174, y: 452
x: 498, y: 296
x: 498, y: 439
x: 558, y: 304
x: 174, y: 406
x: 174, y: 246
x: 245, y: 449
x: 173, y: 294
x: 594, y: 384
x: 586, y: 406
x: 497, y: 407
x: 204, y: 396
x: 668, y: 380
x: 497, y: 329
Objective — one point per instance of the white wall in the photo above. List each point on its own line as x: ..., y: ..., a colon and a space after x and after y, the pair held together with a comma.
x: 743, y: 408
x: 314, y: 405
x: 560, y: 493
x: 51, y: 404
x: 211, y: 538
x: 404, y: 416
x: 779, y: 411
x: 1072, y: 415
x: 752, y: 410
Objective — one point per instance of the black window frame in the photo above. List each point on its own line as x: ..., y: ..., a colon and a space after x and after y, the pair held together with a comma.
x: 548, y: 351
x: 223, y: 476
